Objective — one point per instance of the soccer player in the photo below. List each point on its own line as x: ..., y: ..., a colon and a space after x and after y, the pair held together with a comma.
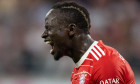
x: 67, y: 26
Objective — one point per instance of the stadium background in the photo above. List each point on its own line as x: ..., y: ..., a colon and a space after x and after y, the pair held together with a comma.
x: 25, y: 58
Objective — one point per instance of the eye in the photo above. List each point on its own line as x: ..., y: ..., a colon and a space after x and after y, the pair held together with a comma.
x: 47, y: 28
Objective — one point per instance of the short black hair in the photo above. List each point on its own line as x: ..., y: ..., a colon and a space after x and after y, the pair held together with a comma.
x: 75, y: 13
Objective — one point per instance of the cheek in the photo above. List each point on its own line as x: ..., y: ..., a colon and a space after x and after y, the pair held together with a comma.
x: 60, y: 36
x: 50, y: 33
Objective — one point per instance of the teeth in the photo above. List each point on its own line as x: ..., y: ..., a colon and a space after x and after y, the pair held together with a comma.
x: 48, y: 42
x: 51, y: 50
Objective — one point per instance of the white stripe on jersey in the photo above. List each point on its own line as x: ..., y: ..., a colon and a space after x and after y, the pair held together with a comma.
x: 94, y: 55
x: 100, y: 49
x: 87, y: 65
x: 97, y: 52
x: 89, y: 59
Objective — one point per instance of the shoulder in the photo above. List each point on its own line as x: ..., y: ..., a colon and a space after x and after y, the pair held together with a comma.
x: 110, y: 57
x: 111, y: 66
x: 101, y: 52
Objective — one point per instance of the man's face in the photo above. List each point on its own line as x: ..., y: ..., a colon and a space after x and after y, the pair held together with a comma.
x: 56, y: 34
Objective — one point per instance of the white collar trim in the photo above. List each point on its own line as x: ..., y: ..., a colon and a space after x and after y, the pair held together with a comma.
x: 85, y: 54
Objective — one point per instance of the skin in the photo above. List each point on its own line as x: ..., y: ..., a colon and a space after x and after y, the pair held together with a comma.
x: 67, y: 38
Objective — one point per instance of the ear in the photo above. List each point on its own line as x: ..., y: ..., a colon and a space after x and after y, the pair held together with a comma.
x: 72, y: 29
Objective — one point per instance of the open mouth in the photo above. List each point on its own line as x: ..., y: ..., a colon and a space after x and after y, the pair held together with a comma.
x: 52, y: 44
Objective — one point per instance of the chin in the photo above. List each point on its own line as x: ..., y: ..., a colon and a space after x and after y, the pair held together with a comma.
x: 57, y: 56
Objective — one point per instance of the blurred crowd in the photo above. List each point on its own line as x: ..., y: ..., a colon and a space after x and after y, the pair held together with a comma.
x: 22, y: 50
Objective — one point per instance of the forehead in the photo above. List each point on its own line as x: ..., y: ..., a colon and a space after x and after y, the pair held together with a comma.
x: 51, y: 16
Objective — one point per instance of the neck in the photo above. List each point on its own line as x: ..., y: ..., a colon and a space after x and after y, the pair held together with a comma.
x: 81, y: 44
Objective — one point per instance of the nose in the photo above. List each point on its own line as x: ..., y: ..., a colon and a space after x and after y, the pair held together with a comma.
x: 44, y: 35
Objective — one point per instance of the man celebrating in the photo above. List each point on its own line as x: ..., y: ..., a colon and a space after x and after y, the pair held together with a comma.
x: 67, y: 30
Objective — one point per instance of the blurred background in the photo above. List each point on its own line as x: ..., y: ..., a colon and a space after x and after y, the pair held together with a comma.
x: 25, y: 58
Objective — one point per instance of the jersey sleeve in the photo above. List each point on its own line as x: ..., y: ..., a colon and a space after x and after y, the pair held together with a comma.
x: 112, y: 70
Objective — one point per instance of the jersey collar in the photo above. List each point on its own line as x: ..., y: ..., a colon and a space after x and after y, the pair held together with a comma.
x: 85, y: 54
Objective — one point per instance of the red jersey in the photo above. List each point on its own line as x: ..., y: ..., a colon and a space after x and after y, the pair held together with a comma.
x: 102, y: 64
